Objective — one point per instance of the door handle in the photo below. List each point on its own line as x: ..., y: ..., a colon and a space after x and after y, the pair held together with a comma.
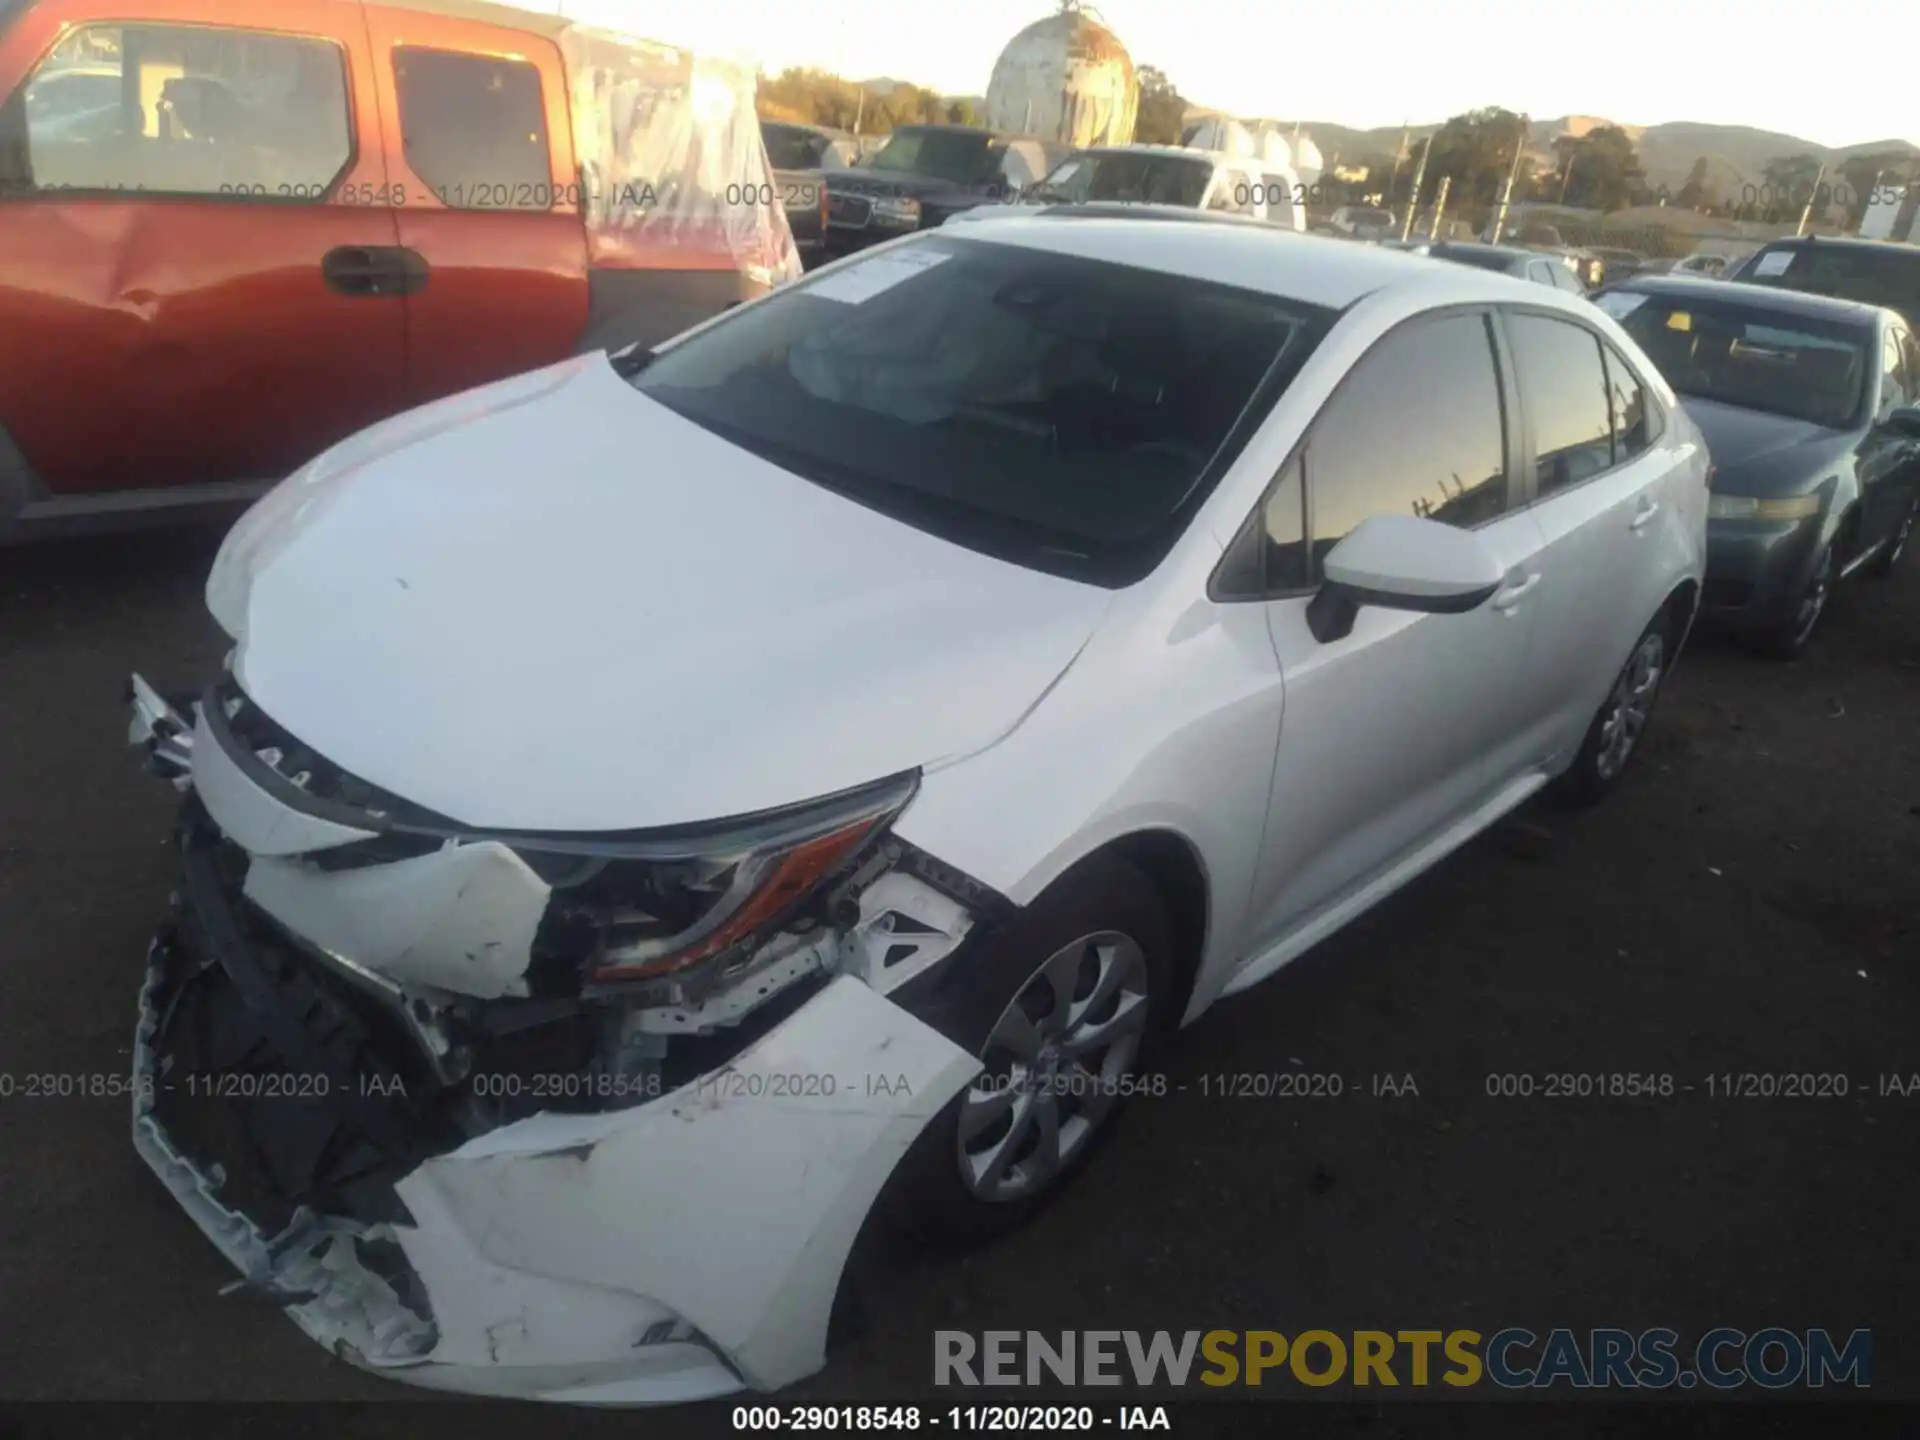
x: 374, y: 269
x: 1511, y: 596
x: 1648, y: 509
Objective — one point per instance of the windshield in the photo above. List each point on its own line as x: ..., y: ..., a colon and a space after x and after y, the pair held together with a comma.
x: 1889, y: 277
x: 1482, y: 259
x: 964, y: 157
x: 790, y: 148
x: 1128, y: 179
x: 1755, y: 358
x: 1060, y: 412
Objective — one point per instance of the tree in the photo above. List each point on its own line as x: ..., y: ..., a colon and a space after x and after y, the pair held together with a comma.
x: 1697, y: 193
x: 1786, y: 183
x: 1599, y: 170
x: 961, y: 112
x: 1379, y: 176
x: 1859, y: 173
x: 1476, y: 150
x: 1163, y: 109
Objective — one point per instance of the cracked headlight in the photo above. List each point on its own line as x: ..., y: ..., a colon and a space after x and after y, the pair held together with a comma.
x: 653, y: 906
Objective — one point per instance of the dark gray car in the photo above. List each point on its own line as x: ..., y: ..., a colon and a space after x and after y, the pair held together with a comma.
x: 1808, y: 405
x: 1512, y: 260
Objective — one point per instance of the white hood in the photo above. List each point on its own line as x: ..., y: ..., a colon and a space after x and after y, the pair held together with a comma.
x: 552, y: 604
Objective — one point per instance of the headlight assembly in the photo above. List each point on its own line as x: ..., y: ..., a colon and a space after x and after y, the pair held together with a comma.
x: 897, y: 211
x: 1747, y: 507
x: 650, y: 907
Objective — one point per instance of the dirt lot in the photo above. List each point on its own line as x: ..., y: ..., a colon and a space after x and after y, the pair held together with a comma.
x: 1745, y: 903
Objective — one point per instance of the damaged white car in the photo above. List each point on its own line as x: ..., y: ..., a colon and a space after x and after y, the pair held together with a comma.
x: 659, y: 807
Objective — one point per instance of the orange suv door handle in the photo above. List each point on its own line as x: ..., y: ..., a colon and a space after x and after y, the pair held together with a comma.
x: 374, y: 270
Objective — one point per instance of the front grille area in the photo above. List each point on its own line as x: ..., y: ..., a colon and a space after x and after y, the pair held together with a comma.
x: 298, y: 1087
x: 848, y: 212
x: 328, y: 788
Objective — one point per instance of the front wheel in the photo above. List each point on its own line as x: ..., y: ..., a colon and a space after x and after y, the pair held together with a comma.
x: 1065, y: 1006
x: 1616, y: 728
x: 1788, y: 640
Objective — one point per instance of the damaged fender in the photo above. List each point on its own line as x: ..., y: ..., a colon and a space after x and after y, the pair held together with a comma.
x: 733, y: 1201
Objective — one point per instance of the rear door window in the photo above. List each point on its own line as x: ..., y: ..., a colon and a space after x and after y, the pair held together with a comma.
x: 475, y: 128
x: 1636, y: 419
x: 188, y: 110
x: 1565, y: 384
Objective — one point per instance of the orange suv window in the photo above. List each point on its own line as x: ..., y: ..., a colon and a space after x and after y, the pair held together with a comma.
x: 188, y: 110
x: 475, y: 128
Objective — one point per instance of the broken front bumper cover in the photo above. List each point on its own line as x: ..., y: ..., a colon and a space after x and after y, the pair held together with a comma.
x: 682, y: 1248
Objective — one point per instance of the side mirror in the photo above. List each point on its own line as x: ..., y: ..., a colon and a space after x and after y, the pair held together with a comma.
x: 1401, y: 562
x: 1905, y: 420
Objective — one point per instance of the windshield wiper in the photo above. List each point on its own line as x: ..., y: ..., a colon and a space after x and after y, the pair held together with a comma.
x: 631, y: 361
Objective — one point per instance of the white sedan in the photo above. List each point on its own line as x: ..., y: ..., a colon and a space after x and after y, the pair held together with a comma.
x: 662, y: 806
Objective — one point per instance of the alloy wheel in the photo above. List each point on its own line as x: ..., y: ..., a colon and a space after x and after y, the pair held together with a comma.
x: 1054, y: 1066
x: 1630, y: 703
x: 1813, y: 600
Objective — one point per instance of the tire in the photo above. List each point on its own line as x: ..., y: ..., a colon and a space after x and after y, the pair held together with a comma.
x: 1102, y: 921
x: 1614, y: 734
x: 1884, y: 562
x: 1789, y: 640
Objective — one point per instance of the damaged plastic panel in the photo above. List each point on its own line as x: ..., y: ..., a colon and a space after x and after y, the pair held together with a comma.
x: 674, y: 169
x: 402, y: 1073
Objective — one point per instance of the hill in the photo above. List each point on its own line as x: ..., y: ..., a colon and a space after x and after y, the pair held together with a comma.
x: 1735, y: 154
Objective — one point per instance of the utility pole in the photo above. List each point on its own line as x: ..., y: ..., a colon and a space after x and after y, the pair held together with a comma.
x: 1506, y: 194
x: 1439, y: 208
x: 1413, y: 200
x: 1398, y: 155
x: 1807, y: 213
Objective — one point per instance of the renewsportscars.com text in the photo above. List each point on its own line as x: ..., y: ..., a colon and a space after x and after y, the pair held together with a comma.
x: 1515, y: 1358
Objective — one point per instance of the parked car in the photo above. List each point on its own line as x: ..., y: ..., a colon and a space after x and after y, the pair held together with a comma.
x: 1169, y: 175
x: 801, y: 156
x: 1531, y: 265
x: 280, y: 228
x: 1873, y: 272
x: 1618, y: 264
x: 1362, y: 222
x: 1699, y: 265
x: 1053, y: 771
x: 1811, y: 409
x: 924, y: 175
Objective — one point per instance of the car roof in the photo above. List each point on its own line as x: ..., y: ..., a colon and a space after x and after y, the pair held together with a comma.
x: 1773, y: 298
x: 1253, y: 256
x: 1476, y: 247
x: 508, y: 17
x: 1841, y: 242
x: 1186, y: 152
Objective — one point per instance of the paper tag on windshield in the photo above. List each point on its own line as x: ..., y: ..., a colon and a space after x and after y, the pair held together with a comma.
x: 861, y: 282
x: 1620, y: 304
x: 1774, y: 262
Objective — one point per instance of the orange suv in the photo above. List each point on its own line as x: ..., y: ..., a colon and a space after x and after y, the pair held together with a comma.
x: 233, y: 232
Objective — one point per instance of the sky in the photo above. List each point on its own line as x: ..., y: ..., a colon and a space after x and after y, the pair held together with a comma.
x: 1368, y: 63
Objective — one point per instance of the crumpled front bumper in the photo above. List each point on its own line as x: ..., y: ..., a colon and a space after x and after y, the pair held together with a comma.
x: 680, y: 1248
